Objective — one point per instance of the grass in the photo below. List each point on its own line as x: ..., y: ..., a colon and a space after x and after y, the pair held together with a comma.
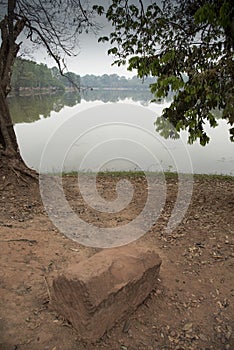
x: 120, y: 173
x: 214, y: 176
x: 142, y: 174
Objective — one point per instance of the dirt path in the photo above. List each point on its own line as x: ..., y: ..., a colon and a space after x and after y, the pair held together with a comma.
x: 192, y: 307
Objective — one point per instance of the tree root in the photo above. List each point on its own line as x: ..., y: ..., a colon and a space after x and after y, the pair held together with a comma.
x: 5, y: 186
x: 31, y: 241
x: 22, y: 172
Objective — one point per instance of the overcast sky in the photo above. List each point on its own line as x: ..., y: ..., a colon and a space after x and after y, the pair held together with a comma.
x: 92, y: 57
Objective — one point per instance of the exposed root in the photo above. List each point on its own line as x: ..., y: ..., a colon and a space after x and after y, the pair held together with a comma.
x: 15, y: 172
x: 24, y: 173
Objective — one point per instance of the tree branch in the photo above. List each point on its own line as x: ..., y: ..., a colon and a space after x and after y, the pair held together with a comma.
x: 52, y: 54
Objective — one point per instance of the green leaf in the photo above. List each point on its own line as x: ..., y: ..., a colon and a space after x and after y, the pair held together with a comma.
x: 103, y: 39
x: 98, y: 9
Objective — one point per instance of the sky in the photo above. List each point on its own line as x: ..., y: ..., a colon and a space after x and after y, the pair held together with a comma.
x: 92, y: 55
x: 91, y: 59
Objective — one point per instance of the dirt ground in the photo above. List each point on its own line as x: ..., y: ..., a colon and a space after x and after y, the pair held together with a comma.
x: 192, y: 306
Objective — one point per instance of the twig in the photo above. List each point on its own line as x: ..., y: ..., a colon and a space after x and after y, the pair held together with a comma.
x: 3, y: 188
x: 47, y: 288
x: 20, y: 240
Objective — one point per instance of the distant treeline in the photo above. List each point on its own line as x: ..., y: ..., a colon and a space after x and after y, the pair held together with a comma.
x: 114, y: 81
x: 29, y: 75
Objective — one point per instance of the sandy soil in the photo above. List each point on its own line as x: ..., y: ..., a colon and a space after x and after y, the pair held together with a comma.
x: 192, y: 307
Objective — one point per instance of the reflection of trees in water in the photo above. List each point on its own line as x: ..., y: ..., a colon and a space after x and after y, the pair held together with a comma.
x: 143, y: 96
x: 117, y: 95
x: 29, y: 108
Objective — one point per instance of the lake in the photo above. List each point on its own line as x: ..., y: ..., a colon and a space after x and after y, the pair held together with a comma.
x: 110, y: 130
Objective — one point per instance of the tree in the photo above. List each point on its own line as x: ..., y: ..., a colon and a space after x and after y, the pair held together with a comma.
x: 188, y: 45
x: 29, y: 74
x: 54, y: 24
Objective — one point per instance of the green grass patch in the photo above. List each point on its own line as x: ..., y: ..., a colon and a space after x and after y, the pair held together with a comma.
x: 167, y: 174
x: 214, y: 176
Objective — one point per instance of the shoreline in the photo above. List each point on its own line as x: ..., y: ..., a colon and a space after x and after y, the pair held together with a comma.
x: 35, y: 91
x: 142, y: 174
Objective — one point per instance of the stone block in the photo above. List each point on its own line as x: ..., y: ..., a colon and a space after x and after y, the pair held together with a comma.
x: 105, y: 288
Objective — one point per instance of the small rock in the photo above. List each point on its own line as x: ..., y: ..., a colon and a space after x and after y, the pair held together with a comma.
x: 126, y: 326
x: 202, y: 337
x: 187, y: 327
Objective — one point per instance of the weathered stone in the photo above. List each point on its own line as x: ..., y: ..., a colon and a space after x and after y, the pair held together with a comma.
x: 107, y: 287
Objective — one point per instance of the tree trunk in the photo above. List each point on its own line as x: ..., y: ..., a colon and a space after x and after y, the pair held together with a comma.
x: 11, y: 162
x: 8, y: 142
x: 12, y: 165
x: 10, y: 157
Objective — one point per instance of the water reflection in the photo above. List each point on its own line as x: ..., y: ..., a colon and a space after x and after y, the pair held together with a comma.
x: 143, y: 96
x: 36, y: 118
x: 27, y: 109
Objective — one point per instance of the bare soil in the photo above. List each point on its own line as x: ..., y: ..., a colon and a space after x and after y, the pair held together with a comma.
x: 192, y: 306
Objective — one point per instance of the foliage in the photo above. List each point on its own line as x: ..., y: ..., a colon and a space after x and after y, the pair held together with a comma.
x: 68, y: 79
x: 29, y: 74
x: 114, y: 81
x: 188, y: 45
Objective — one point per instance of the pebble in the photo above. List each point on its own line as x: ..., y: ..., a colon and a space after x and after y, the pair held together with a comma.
x: 187, y: 327
x: 202, y: 337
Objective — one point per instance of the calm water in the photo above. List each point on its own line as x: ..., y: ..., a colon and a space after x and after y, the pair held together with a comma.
x: 110, y: 130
